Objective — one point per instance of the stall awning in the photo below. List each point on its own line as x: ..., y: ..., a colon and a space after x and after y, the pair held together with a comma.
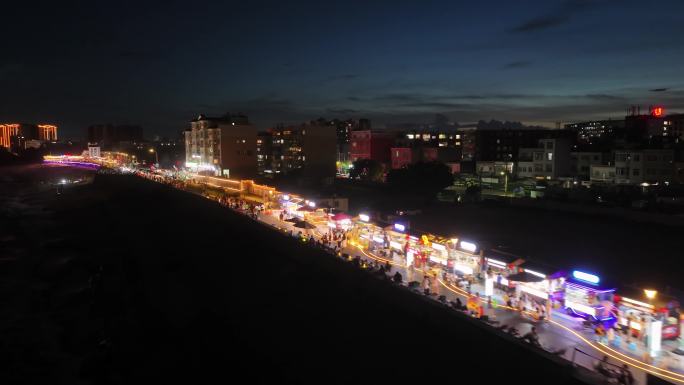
x: 539, y: 269
x: 340, y: 217
x: 524, y: 277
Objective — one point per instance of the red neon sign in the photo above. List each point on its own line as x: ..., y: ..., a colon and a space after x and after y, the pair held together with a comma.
x: 658, y: 111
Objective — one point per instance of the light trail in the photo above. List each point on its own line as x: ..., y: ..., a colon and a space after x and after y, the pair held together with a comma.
x: 599, y: 347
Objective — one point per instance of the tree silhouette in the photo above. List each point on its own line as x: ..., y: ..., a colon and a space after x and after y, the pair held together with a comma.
x: 367, y: 170
x: 424, y: 179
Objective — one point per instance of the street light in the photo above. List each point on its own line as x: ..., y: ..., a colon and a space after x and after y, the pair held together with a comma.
x: 156, y: 157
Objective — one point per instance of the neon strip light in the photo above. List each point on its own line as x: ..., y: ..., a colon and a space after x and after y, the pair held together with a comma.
x: 585, y: 288
x: 395, y: 245
x: 540, y: 275
x: 75, y: 164
x: 639, y: 303
x: 495, y: 262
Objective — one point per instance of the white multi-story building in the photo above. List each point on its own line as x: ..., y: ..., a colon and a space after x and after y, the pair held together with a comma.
x: 549, y: 160
x: 581, y: 162
x: 638, y: 166
x: 224, y: 146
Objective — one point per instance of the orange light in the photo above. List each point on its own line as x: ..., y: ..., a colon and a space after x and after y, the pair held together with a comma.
x: 658, y: 111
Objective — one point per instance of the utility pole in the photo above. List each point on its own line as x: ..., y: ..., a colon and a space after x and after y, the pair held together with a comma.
x: 505, y: 174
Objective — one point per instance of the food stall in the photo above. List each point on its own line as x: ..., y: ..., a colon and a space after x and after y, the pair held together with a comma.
x: 466, y: 257
x: 541, y: 285
x: 340, y: 221
x: 499, y: 266
x: 436, y: 249
x: 400, y: 243
x: 363, y: 231
x: 638, y: 308
x: 315, y: 215
x: 290, y: 204
x: 586, y: 297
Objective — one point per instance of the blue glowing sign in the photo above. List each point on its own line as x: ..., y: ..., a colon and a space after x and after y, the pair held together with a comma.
x: 586, y: 277
x: 399, y: 227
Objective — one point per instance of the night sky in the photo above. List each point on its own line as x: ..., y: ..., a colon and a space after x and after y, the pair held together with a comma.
x: 159, y: 65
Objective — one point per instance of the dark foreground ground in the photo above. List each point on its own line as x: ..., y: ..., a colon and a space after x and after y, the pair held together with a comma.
x: 192, y: 293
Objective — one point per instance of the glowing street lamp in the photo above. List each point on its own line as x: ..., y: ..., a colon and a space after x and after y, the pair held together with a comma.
x: 156, y: 157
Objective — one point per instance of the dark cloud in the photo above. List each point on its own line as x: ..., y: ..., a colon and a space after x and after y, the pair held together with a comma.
x: 517, y: 64
x: 344, y: 111
x: 659, y: 89
x: 605, y: 97
x: 401, y: 97
x: 437, y: 106
x: 342, y: 77
x: 561, y: 15
x: 353, y: 98
x: 541, y: 23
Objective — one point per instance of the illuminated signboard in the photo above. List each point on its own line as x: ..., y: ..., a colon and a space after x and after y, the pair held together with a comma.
x: 364, y: 217
x: 399, y: 227
x: 586, y: 277
x: 468, y: 246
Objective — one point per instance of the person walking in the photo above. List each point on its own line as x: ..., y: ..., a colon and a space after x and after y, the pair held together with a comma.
x: 626, y: 376
x: 600, y: 331
x: 610, y: 334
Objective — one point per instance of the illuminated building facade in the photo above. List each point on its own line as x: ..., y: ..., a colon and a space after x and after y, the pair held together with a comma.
x: 47, y: 132
x: 223, y: 145
x: 371, y: 144
x: 7, y: 131
x: 309, y: 149
x: 597, y: 132
x: 14, y: 136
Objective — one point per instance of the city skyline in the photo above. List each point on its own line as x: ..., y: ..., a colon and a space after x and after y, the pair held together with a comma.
x: 161, y: 65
